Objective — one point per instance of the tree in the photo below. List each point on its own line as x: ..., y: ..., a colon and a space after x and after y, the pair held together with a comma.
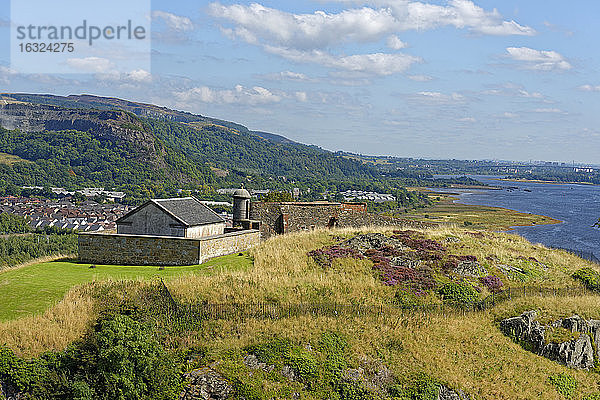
x: 273, y: 197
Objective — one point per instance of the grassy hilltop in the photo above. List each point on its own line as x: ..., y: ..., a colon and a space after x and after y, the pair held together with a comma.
x: 402, y: 354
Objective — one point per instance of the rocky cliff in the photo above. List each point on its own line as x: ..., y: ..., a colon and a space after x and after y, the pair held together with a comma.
x: 116, y: 126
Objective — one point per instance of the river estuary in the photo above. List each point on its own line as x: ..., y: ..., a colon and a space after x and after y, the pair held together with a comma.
x: 578, y: 206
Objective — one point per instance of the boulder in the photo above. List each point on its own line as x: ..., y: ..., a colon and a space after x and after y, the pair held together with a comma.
x: 206, y: 384
x: 509, y: 270
x: 470, y: 268
x: 8, y: 392
x: 405, y: 261
x: 575, y: 353
x: 446, y: 393
x: 251, y: 361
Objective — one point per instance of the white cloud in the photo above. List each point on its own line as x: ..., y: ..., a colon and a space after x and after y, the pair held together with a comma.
x: 441, y: 97
x: 91, y: 64
x: 133, y: 77
x: 467, y: 119
x: 530, y: 95
x: 540, y: 60
x: 301, y: 96
x: 510, y: 115
x: 319, y: 30
x: 590, y: 88
x: 239, y: 95
x: 548, y: 110
x: 5, y: 74
x: 173, y: 21
x: 420, y: 78
x: 310, y: 37
x: 289, y: 76
x: 376, y: 63
x: 140, y: 75
x: 394, y: 42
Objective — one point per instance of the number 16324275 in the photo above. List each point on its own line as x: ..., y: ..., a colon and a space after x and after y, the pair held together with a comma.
x: 53, y: 47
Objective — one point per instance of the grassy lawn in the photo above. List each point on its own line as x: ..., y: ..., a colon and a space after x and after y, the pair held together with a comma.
x: 34, y: 288
x: 481, y: 217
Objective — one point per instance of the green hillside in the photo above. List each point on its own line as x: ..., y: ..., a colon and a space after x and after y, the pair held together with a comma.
x: 314, y: 315
x: 149, y: 150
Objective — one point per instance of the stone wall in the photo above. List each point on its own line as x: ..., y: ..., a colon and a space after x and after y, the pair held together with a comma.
x: 227, y: 244
x: 285, y: 217
x: 122, y: 249
x: 205, y: 230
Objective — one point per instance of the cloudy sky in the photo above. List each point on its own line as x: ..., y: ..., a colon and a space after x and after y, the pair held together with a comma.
x: 465, y: 79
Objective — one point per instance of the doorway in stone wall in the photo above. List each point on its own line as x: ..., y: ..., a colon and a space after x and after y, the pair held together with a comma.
x: 333, y: 222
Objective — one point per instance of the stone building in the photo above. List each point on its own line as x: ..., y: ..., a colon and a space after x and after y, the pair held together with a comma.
x: 179, y: 231
x: 179, y: 217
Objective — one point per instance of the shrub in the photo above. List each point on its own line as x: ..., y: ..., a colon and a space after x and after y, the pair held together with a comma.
x: 303, y: 363
x: 589, y: 277
x: 461, y: 294
x: 593, y: 396
x: 406, y: 298
x: 564, y: 384
x: 419, y: 387
x: 492, y: 283
x: 21, y: 374
x: 351, y: 390
x: 271, y: 351
x: 326, y: 255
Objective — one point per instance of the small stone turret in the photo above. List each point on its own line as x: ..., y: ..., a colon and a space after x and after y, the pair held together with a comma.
x: 241, y: 207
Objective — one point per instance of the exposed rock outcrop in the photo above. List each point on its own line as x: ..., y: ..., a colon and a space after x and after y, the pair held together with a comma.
x: 8, y: 392
x: 206, y: 384
x: 578, y: 352
x: 446, y: 393
x: 470, y: 269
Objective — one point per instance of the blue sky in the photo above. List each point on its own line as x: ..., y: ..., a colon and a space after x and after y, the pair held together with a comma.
x: 465, y: 79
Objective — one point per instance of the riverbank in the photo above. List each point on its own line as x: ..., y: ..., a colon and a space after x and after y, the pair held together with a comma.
x: 544, y: 182
x: 446, y: 210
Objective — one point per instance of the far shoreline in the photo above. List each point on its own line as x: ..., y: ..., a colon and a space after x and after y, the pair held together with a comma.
x: 543, y: 182
x: 448, y: 210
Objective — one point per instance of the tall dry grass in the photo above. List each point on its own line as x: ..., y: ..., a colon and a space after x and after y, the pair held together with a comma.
x: 283, y: 272
x: 52, y: 330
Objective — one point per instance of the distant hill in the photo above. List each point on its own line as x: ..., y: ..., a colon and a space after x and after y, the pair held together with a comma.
x: 140, y: 109
x: 89, y: 140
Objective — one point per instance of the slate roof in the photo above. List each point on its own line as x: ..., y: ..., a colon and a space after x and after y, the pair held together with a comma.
x: 187, y: 210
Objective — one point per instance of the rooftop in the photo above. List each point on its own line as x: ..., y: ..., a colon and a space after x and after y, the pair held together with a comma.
x: 188, y: 210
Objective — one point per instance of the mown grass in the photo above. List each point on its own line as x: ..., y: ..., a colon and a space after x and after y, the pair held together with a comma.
x: 33, y: 288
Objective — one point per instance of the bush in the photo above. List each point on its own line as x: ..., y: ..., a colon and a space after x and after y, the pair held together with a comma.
x: 492, y: 283
x: 119, y: 359
x: 461, y: 294
x: 564, y: 384
x: 589, y: 277
x: 406, y: 298
x: 21, y: 374
x: 326, y: 255
x: 593, y: 396
x: 419, y: 387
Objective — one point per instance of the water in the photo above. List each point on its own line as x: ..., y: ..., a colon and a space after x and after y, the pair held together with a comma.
x: 578, y: 206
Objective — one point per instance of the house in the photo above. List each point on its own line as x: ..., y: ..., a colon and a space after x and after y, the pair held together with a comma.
x: 180, y: 217
x: 179, y: 231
